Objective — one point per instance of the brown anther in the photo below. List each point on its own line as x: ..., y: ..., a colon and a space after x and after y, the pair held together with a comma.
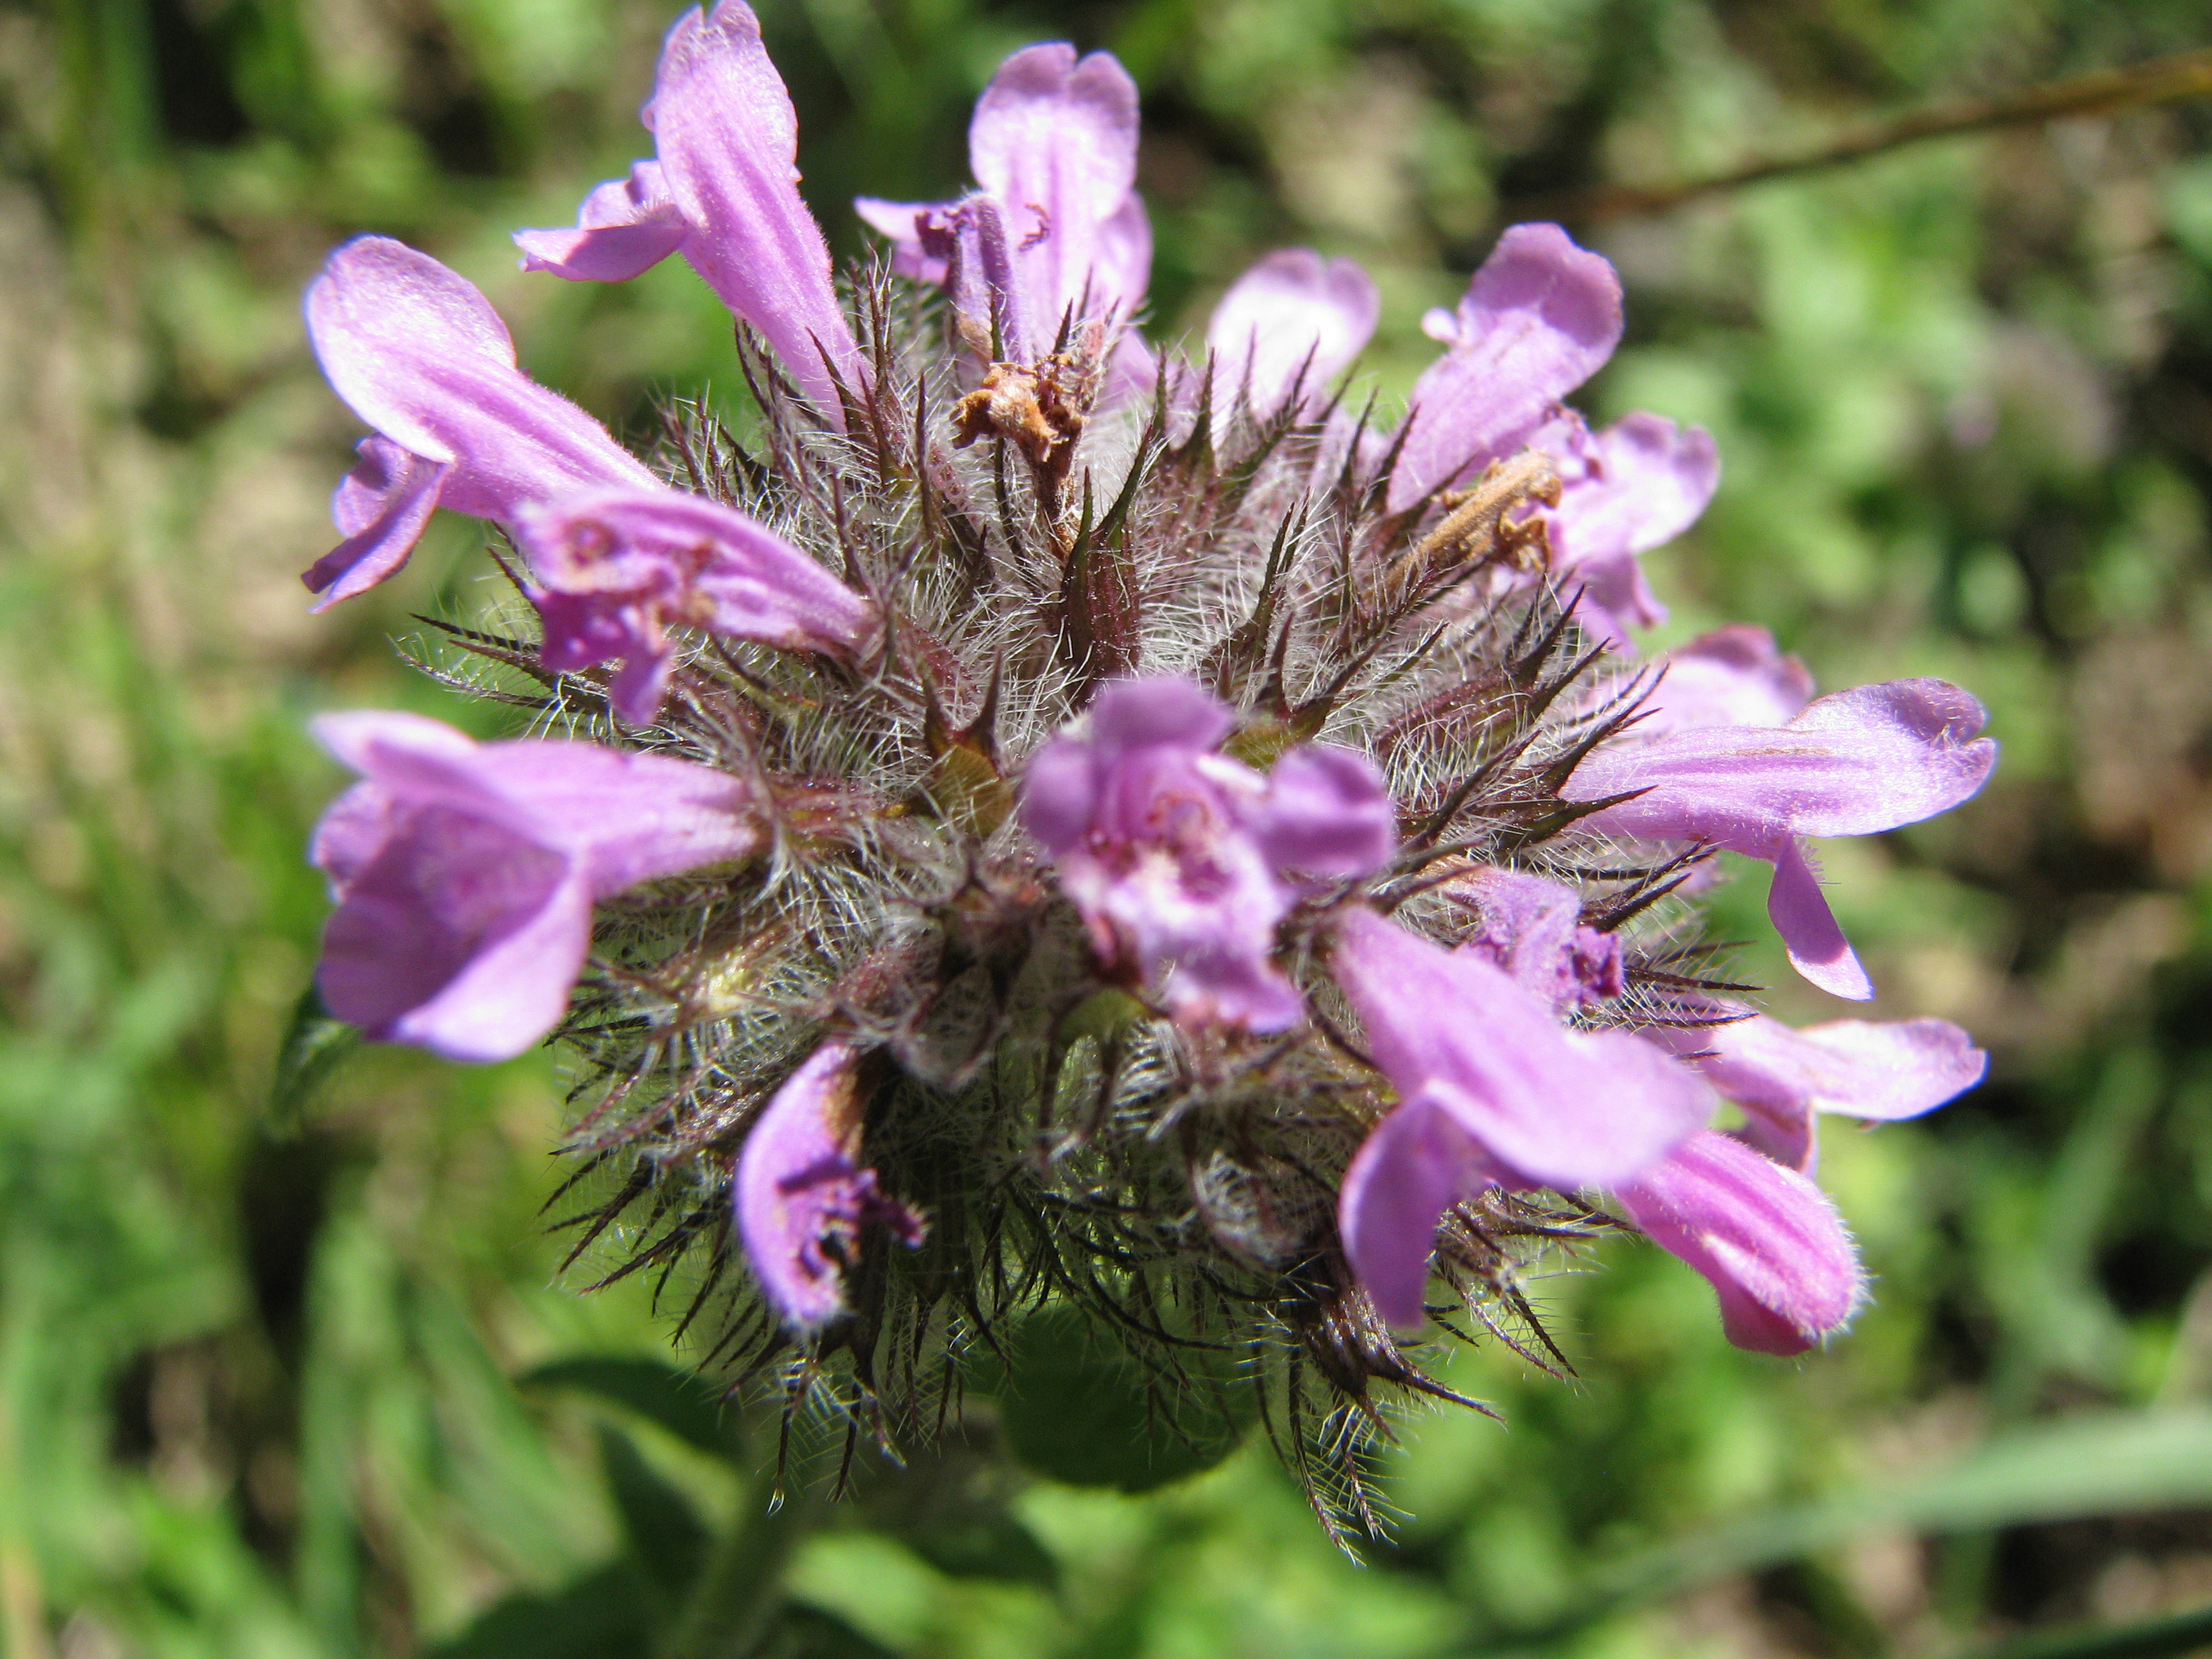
x: 1481, y: 526
x: 1040, y: 409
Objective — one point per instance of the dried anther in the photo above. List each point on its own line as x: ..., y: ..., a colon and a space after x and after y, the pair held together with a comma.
x: 1040, y: 409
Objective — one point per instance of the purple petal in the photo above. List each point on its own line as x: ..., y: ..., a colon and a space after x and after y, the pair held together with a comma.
x: 1165, y: 709
x: 1541, y: 316
x: 1810, y: 930
x: 1533, y: 929
x: 1611, y: 596
x: 1054, y: 139
x: 1292, y: 320
x: 710, y: 564
x: 1059, y: 793
x: 1122, y: 264
x: 1767, y: 1238
x: 625, y: 817
x: 420, y: 354
x: 1555, y: 1107
x: 1645, y: 482
x: 624, y: 228
x: 465, y: 873
x: 1415, y: 1165
x: 901, y: 222
x: 1327, y: 812
x: 1149, y: 828
x: 459, y: 936
x: 1883, y: 1069
x: 728, y: 143
x: 802, y: 1197
x: 382, y: 507
x: 1733, y: 676
x: 1854, y: 764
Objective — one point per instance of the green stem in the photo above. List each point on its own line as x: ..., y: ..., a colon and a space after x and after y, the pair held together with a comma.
x: 741, y: 1590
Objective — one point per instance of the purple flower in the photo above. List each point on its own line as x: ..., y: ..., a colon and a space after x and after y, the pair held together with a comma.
x: 1540, y: 317
x: 1635, y: 486
x: 420, y: 354
x: 725, y: 192
x: 802, y: 1196
x: 465, y: 873
x: 1856, y: 1068
x: 615, y: 569
x: 1533, y: 929
x: 1053, y: 149
x: 1855, y: 764
x: 1492, y: 1089
x: 1182, y: 860
x: 1733, y: 676
x: 1294, y: 320
x: 1767, y: 1238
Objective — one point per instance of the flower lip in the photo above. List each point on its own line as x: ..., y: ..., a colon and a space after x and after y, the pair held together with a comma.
x: 419, y: 354
x: 801, y: 1196
x: 1540, y: 318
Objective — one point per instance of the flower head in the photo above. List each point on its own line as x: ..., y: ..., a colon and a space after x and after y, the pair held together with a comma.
x: 1208, y: 859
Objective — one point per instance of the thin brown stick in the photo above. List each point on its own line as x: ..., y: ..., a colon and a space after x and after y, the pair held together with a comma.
x: 2107, y: 92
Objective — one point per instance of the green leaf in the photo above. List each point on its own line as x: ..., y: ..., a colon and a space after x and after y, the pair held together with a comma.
x: 1078, y: 1409
x: 602, y: 1615
x: 314, y: 1043
x: 666, y: 1534
x: 2101, y: 1464
x: 990, y: 1545
x: 806, y: 1632
x: 678, y: 1400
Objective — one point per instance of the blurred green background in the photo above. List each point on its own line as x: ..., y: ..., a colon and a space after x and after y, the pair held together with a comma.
x: 282, y: 1388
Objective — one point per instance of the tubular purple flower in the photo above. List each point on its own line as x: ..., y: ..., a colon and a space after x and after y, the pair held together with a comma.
x: 1881, y: 1071
x: 419, y: 354
x: 1540, y: 317
x: 465, y: 873
x: 1293, y: 321
x: 802, y: 1197
x: 725, y: 192
x: 1182, y: 860
x: 1552, y: 1106
x: 1054, y: 146
x: 1855, y: 764
x: 1768, y: 1239
x: 1533, y: 929
x: 1635, y: 486
x: 615, y: 569
x: 1491, y: 1088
